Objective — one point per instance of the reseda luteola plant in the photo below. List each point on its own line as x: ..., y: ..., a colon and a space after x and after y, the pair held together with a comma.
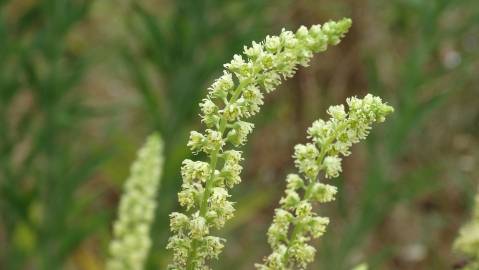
x: 295, y: 223
x: 131, y: 243
x: 235, y: 96
x: 468, y: 240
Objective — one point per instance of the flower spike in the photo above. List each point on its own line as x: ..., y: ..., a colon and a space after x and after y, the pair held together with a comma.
x: 295, y: 223
x: 233, y: 98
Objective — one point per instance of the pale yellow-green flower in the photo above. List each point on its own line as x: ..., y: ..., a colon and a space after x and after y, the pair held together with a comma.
x: 295, y: 223
x: 468, y: 240
x: 362, y: 266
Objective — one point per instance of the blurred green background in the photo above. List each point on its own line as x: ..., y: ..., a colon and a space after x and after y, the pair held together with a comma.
x: 83, y: 82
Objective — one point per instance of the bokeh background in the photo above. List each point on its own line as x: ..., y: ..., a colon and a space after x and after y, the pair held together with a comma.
x: 83, y: 82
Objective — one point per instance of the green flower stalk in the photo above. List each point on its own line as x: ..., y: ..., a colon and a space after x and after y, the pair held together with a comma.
x: 131, y: 243
x: 295, y: 223
x: 468, y: 240
x: 234, y: 97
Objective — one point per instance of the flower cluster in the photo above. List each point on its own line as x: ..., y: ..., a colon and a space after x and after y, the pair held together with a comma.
x: 468, y: 239
x: 234, y: 97
x: 362, y: 266
x: 294, y: 223
x: 129, y: 248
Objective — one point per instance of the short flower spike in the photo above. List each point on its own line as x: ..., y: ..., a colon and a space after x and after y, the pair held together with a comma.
x: 295, y: 223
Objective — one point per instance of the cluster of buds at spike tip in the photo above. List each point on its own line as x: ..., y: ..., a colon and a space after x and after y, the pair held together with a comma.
x: 233, y: 98
x: 131, y: 243
x: 468, y: 240
x: 295, y: 223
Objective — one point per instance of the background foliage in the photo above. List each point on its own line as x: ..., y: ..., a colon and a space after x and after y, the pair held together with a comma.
x: 82, y: 83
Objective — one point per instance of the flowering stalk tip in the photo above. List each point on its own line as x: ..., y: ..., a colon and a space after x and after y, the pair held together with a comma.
x: 295, y: 223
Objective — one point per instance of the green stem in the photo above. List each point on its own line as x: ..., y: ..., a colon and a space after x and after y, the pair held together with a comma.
x: 214, y: 155
x: 297, y: 228
x: 190, y: 265
x: 307, y: 195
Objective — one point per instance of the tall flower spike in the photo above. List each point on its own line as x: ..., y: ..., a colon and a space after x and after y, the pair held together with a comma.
x: 468, y: 240
x: 294, y: 223
x: 131, y: 243
x: 234, y: 97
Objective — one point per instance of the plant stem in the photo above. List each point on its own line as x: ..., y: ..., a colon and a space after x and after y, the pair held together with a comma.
x: 190, y: 265
x: 307, y: 194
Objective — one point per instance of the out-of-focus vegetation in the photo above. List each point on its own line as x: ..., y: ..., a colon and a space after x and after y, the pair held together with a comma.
x: 45, y: 166
x: 83, y: 82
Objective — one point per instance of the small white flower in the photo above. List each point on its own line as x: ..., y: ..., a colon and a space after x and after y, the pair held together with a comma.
x: 196, y: 141
x: 318, y: 226
x: 198, y: 227
x: 186, y: 197
x: 178, y: 221
x: 323, y: 192
x: 238, y: 134
x: 337, y: 112
x: 294, y: 182
x: 255, y: 51
x: 291, y: 200
x: 213, y: 141
x: 303, y: 254
x: 332, y: 165
x: 272, y: 43
x: 208, y: 107
x: 232, y: 157
x: 236, y: 64
x: 303, y: 209
x: 302, y: 32
x: 194, y: 170
x: 222, y: 86
x: 288, y: 39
